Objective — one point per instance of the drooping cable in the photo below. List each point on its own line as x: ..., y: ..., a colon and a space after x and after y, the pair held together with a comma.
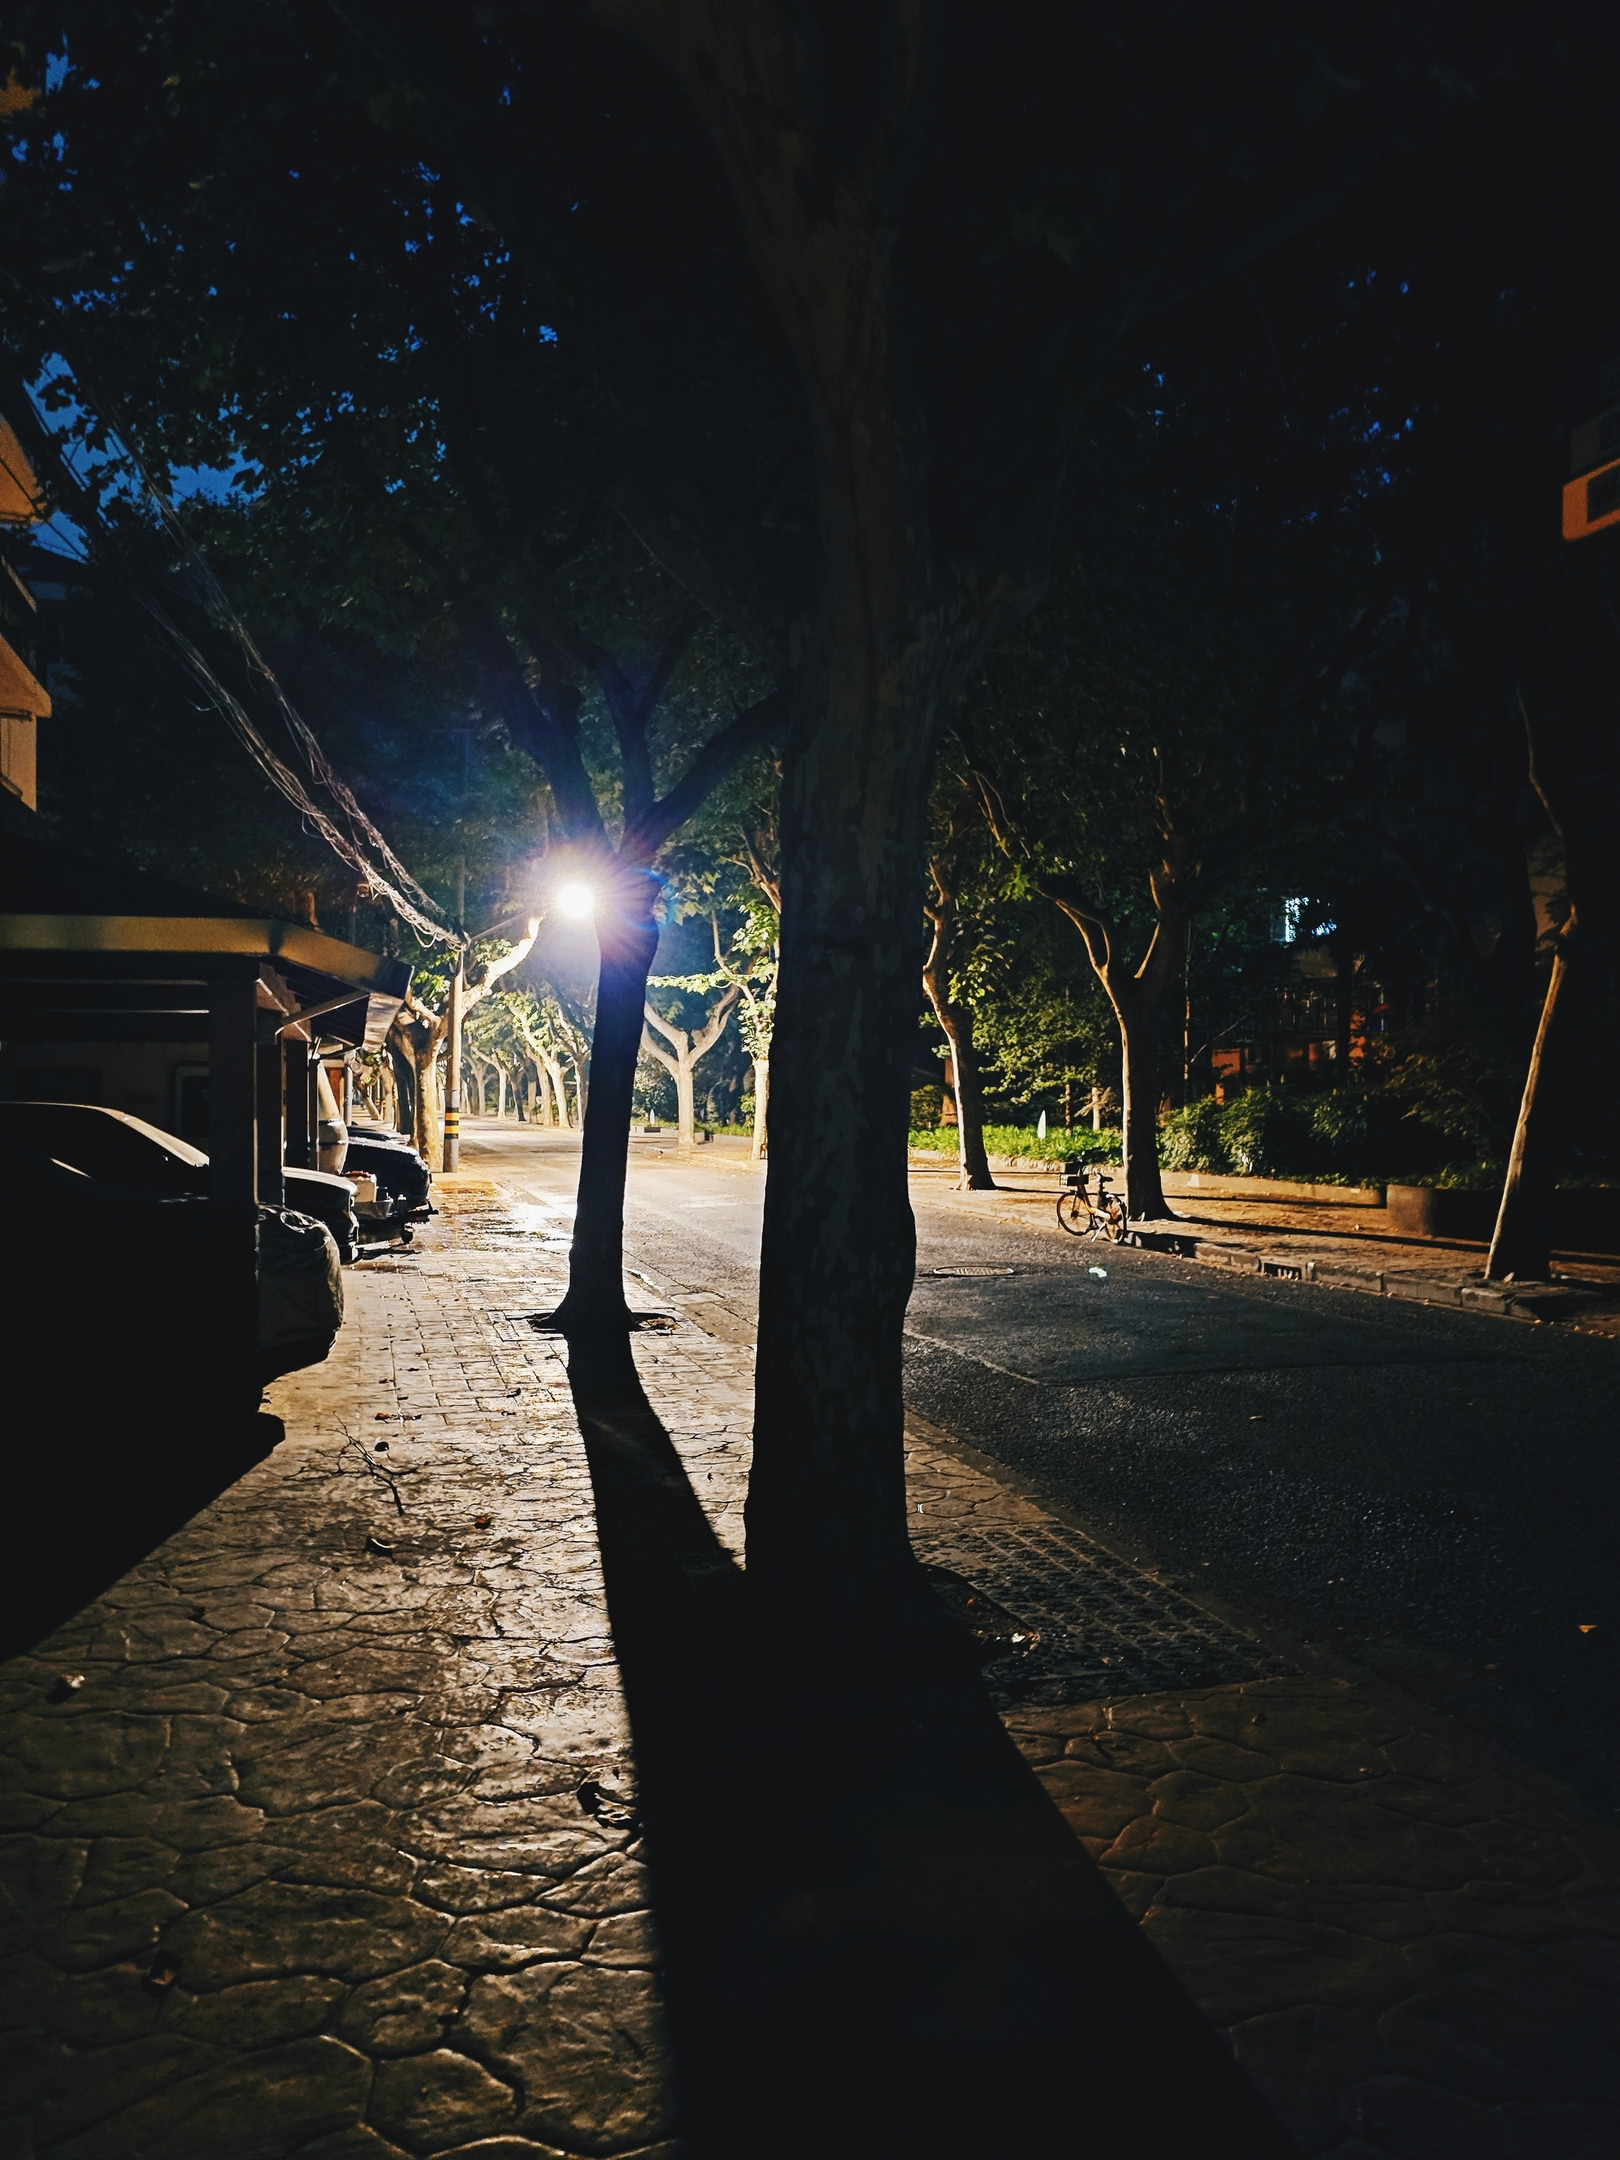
x: 355, y: 840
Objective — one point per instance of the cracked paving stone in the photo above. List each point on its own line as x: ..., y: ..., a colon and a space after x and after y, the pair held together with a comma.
x: 284, y: 1926
x: 257, y: 2107
x: 587, y: 2044
x: 439, y: 2099
x: 405, y: 2012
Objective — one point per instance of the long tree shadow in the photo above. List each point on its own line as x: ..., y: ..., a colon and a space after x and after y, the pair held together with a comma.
x: 110, y: 1475
x: 879, y: 1934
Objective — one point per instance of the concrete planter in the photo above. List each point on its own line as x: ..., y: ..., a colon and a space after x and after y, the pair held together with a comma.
x: 1218, y: 1185
x: 1587, y: 1219
x: 1583, y: 1219
x: 1440, y: 1211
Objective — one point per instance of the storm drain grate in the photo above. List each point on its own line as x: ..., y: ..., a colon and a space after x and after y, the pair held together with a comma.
x: 969, y: 1272
x: 1106, y: 1628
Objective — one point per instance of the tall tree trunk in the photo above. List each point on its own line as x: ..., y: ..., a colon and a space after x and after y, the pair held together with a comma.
x: 387, y: 1092
x: 1521, y: 1244
x: 685, y: 1104
x: 402, y: 1072
x: 974, y: 1163
x: 628, y: 937
x: 827, y: 1532
x: 1137, y: 1011
x: 1137, y: 996
x: 429, y: 1133
x: 973, y: 1167
x: 762, y: 1103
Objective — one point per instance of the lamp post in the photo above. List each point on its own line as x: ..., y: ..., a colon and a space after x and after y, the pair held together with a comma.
x: 452, y: 1077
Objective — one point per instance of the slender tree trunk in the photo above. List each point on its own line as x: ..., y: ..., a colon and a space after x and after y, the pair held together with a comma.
x: 685, y: 1104
x: 1138, y: 1017
x: 1521, y: 1245
x: 1137, y: 996
x: 961, y: 1087
x: 762, y: 1102
x: 973, y: 1164
x: 402, y: 1071
x: 388, y: 1093
x: 628, y: 937
x: 500, y: 1092
x: 429, y: 1134
x: 559, y: 1090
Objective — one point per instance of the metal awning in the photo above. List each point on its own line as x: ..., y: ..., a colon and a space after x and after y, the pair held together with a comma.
x: 142, y: 978
x: 91, y: 951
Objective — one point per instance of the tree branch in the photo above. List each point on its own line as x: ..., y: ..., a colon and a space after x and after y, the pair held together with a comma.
x: 715, y: 1026
x: 720, y: 755
x: 677, y: 1036
x: 545, y: 724
x: 489, y: 975
x: 670, y: 1065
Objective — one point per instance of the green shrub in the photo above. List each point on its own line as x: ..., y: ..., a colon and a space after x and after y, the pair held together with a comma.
x: 1343, y: 1121
x: 1467, y: 1177
x: 1191, y: 1137
x: 1024, y: 1140
x: 1265, y: 1134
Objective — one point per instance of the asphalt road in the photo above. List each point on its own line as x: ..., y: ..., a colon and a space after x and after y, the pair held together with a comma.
x: 1430, y: 1495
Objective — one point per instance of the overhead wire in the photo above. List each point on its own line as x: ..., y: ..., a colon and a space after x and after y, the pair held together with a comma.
x: 356, y: 840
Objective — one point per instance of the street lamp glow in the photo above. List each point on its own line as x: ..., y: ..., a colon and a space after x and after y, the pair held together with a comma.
x: 576, y: 902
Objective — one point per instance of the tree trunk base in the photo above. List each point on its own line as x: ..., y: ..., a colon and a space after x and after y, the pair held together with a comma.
x: 591, y: 1320
x: 976, y: 1181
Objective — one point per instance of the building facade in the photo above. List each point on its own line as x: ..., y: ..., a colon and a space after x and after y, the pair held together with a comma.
x: 24, y: 700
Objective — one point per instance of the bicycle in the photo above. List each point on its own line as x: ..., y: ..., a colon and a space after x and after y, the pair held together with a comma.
x: 1082, y: 1217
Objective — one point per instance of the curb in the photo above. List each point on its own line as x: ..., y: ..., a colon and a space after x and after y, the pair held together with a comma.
x: 1532, y: 1303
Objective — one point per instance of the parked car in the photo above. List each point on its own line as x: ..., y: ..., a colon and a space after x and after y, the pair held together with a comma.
x: 402, y: 1178
x: 131, y: 1270
x: 116, y: 1149
x: 132, y: 1400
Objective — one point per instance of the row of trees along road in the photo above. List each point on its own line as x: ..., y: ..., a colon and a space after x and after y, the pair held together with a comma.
x: 1195, y: 700
x: 815, y: 307
x: 1300, y: 637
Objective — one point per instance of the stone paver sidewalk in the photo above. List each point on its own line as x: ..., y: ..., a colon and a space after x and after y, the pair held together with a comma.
x: 333, y: 1851
x: 1413, y: 1944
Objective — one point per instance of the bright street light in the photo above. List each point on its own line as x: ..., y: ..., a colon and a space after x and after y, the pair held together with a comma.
x: 576, y: 902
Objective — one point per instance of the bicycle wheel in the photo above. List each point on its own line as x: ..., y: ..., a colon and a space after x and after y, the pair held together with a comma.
x: 1074, y: 1214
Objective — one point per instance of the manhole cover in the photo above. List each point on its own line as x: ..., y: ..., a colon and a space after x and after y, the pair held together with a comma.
x: 964, y: 1272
